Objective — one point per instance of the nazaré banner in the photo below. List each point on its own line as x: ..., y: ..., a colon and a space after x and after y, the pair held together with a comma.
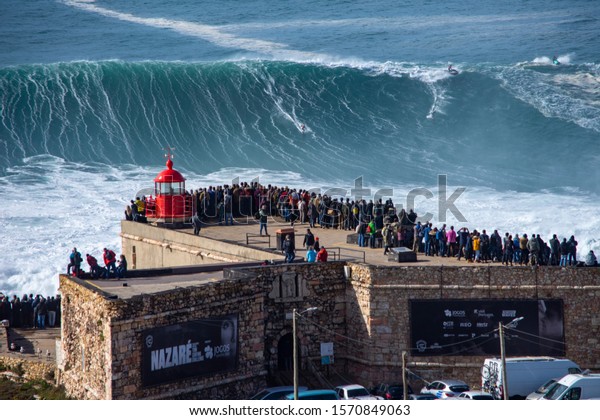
x: 470, y: 327
x: 193, y: 348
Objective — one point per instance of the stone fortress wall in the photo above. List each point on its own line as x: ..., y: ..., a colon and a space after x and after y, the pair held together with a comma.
x: 102, y: 339
x: 379, y: 297
x: 363, y: 309
x: 147, y: 246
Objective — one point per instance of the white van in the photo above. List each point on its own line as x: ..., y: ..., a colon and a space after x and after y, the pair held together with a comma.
x: 525, y: 374
x: 575, y: 387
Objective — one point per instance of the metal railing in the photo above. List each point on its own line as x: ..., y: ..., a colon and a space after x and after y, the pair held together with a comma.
x: 346, y: 254
x: 253, y: 238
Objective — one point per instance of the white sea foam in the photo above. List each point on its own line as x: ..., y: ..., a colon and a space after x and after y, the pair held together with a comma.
x: 210, y: 33
x: 50, y: 206
x: 67, y: 205
x: 562, y: 59
x: 571, y: 96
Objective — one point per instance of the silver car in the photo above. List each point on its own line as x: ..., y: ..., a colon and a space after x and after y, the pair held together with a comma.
x: 475, y: 395
x: 539, y: 393
x: 355, y: 392
x: 445, y: 388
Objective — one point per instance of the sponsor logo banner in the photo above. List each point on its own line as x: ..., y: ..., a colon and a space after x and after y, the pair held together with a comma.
x: 470, y: 327
x: 192, y: 348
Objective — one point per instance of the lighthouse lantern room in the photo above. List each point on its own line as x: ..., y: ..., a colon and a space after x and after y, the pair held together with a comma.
x: 171, y: 203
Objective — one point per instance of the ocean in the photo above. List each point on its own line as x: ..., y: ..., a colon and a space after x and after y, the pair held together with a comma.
x: 315, y: 94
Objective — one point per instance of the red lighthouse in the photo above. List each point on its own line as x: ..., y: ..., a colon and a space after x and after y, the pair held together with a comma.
x: 171, y: 203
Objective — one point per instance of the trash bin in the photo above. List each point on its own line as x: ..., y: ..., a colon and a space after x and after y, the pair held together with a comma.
x: 281, y: 234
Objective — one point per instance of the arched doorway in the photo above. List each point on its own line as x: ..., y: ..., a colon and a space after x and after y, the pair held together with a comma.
x: 285, y: 352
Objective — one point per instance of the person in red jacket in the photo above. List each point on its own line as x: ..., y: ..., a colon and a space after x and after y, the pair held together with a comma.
x: 95, y: 269
x: 322, y: 255
x: 110, y: 260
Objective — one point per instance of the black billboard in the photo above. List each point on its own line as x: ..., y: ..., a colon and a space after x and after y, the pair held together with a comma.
x: 199, y: 347
x: 470, y: 327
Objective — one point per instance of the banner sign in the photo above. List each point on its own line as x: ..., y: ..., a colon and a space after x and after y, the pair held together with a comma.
x: 193, y: 348
x: 470, y: 327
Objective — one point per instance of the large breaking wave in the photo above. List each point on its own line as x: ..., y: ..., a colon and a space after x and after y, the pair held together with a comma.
x: 494, y: 126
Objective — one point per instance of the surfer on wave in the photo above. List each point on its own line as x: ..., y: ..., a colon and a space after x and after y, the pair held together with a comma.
x: 452, y: 70
x: 555, y: 61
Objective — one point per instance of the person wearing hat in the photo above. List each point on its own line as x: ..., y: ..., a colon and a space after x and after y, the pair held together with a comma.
x: 316, y: 246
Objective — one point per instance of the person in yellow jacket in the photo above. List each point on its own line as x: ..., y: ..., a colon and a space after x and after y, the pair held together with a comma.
x: 141, y: 206
x: 477, y: 247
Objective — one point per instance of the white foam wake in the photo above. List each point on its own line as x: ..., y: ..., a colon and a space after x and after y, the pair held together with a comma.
x: 208, y: 33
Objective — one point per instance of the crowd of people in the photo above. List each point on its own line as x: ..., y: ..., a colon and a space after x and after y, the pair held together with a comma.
x: 376, y: 223
x: 30, y: 311
x: 111, y: 268
x: 480, y: 247
x: 136, y: 210
x: 223, y: 204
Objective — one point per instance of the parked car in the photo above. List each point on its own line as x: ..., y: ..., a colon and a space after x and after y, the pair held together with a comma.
x: 445, y: 388
x: 475, y: 395
x: 539, y: 393
x: 393, y: 391
x: 422, y: 397
x: 276, y: 393
x: 316, y: 394
x: 355, y: 392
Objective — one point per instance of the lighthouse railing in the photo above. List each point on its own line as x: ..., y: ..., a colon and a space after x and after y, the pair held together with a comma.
x: 150, y: 207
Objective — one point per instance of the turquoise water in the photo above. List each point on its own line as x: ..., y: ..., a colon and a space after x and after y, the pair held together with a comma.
x: 91, y: 92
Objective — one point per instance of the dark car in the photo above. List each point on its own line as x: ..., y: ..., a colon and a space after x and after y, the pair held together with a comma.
x: 393, y: 391
x: 276, y: 393
x: 422, y: 397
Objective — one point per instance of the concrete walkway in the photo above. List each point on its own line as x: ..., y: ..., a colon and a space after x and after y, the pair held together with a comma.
x: 331, y: 239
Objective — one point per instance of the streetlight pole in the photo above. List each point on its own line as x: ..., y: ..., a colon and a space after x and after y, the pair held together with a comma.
x: 295, y: 354
x: 501, y: 327
x: 295, y: 344
x: 404, y: 386
x: 503, y: 357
